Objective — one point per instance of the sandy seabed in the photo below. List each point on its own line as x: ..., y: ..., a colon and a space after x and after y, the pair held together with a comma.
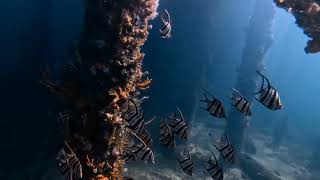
x: 288, y: 162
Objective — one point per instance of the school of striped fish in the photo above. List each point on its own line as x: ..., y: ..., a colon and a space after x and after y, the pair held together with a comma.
x: 176, y: 127
x: 268, y: 96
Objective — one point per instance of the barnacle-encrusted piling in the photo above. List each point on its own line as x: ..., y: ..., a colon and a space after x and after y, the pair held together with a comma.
x: 106, y: 71
x: 307, y: 14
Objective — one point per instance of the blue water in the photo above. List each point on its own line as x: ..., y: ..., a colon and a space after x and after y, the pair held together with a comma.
x: 205, y: 50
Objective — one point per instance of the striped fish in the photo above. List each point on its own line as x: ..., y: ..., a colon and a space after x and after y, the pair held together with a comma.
x: 269, y: 96
x: 240, y: 103
x: 142, y: 150
x: 135, y: 118
x: 145, y: 137
x: 184, y: 159
x: 69, y: 164
x: 165, y: 31
x: 214, y: 168
x: 179, y: 126
x: 128, y: 155
x: 226, y: 149
x: 214, y: 106
x: 144, y: 153
x: 166, y: 135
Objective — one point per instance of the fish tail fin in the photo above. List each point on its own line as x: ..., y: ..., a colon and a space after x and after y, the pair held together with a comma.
x: 206, y: 98
x: 168, y: 15
x: 263, y: 77
x: 236, y: 91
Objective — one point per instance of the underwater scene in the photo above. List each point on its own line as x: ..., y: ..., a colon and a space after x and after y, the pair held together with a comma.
x: 160, y: 89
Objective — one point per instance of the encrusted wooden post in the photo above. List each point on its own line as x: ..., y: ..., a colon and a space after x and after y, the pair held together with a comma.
x: 106, y: 71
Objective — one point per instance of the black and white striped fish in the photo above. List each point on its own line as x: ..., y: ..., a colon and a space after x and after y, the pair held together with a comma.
x: 135, y: 117
x: 240, y: 103
x: 145, y: 137
x: 166, y: 135
x: 214, y: 106
x: 165, y: 31
x: 128, y: 155
x: 69, y: 164
x: 185, y: 161
x: 214, y: 168
x: 144, y: 153
x: 269, y: 96
x: 179, y: 126
x: 226, y: 149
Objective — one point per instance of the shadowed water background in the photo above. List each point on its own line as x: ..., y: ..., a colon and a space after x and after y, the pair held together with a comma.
x: 205, y: 51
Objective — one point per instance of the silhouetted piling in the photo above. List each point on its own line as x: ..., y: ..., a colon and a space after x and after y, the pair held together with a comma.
x: 258, y: 41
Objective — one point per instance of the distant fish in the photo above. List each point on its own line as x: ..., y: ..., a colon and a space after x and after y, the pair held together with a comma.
x: 165, y: 31
x: 226, y: 149
x: 269, y: 96
x: 179, y: 125
x: 69, y: 164
x: 214, y: 106
x: 166, y: 135
x: 185, y: 161
x: 214, y: 168
x: 135, y: 117
x: 240, y: 103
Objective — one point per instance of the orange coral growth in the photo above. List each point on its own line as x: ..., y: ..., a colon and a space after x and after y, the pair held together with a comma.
x: 118, y: 170
x: 90, y: 163
x: 114, y: 118
x: 132, y: 35
x: 118, y: 94
x: 101, y: 177
x: 145, y: 84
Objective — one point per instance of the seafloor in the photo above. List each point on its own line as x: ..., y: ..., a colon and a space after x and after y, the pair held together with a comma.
x: 287, y: 163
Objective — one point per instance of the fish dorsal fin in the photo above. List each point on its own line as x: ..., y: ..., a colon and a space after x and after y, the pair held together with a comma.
x: 208, y: 92
x: 264, y: 77
x: 180, y: 113
x: 168, y: 16
x: 237, y: 92
x: 151, y: 120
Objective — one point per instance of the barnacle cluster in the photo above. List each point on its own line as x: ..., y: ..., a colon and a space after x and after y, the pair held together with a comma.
x: 133, y: 33
x: 106, y: 71
x: 307, y: 14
